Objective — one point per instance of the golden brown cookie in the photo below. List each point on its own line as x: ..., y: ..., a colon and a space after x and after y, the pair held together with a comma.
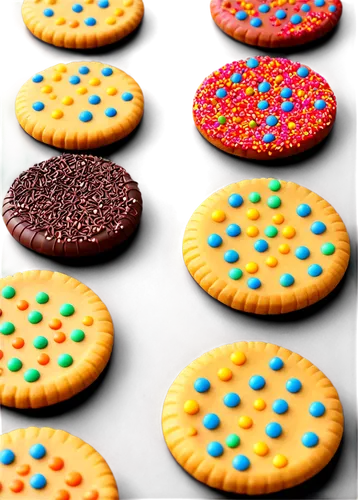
x: 266, y: 246
x: 252, y: 418
x: 82, y: 24
x: 56, y: 338
x: 46, y: 463
x: 80, y: 105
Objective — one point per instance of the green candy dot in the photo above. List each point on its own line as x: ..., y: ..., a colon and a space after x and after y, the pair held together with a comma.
x: 14, y: 364
x: 328, y: 249
x: 274, y: 185
x: 271, y: 231
x: 274, y: 202
x: 222, y: 120
x: 77, y: 335
x: 31, y: 375
x: 233, y: 441
x: 65, y: 360
x: 35, y: 317
x: 40, y: 342
x: 7, y: 328
x: 42, y: 298
x: 235, y: 273
x: 67, y: 310
x: 252, y: 124
x: 254, y: 197
x: 8, y: 292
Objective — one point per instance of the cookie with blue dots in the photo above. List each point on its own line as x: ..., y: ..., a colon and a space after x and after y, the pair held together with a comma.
x: 80, y: 105
x: 252, y: 418
x: 82, y: 24
x: 47, y: 463
x: 266, y: 246
x: 276, y: 23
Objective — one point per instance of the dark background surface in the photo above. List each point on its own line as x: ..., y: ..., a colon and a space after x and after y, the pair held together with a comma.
x: 162, y: 318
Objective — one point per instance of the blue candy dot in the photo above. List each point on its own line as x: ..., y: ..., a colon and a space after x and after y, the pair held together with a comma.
x: 287, y: 106
x: 257, y: 382
x: 38, y: 106
x: 110, y: 112
x: 127, y: 96
x: 332, y: 8
x: 103, y: 4
x: 48, y: 12
x: 221, y: 93
x: 310, y: 440
x: 302, y: 253
x: 215, y: 449
x: 253, y: 283
x: 268, y: 138
x: 214, y: 240
x: 74, y: 80
x: 201, y: 385
x: 293, y: 385
x: 261, y: 246
x: 286, y: 93
x: 232, y: 400
x: 320, y: 104
x: 315, y: 270
x: 303, y: 210
x: 263, y: 105
x: 317, y: 409
x: 256, y: 22
x: 273, y: 430
x: 264, y: 87
x: 90, y: 21
x: 38, y: 482
x: 37, y: 451
x: 236, y: 78
x: 84, y: 70
x: 276, y: 364
x: 107, y: 71
x: 233, y: 230
x: 211, y: 421
x: 319, y: 3
x: 271, y: 121
x: 252, y: 63
x: 241, y: 463
x: 264, y: 9
x: 305, y: 7
x: 280, y: 406
x: 94, y: 99
x: 318, y: 227
x: 37, y: 78
x: 241, y: 15
x: 7, y: 457
x: 281, y: 14
x: 303, y: 72
x: 235, y: 201
x: 296, y: 19
x: 231, y: 256
x: 77, y: 8
x: 85, y: 116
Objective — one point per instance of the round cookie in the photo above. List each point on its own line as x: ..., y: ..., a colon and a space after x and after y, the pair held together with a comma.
x: 276, y: 23
x: 82, y: 24
x: 252, y: 418
x: 56, y: 338
x: 266, y: 246
x: 80, y: 105
x: 73, y: 206
x: 264, y: 108
x: 46, y: 463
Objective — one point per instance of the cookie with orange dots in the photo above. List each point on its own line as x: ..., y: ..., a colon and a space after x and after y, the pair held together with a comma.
x: 56, y: 337
x: 80, y: 105
x: 82, y: 24
x: 266, y: 246
x: 46, y: 463
x: 252, y: 418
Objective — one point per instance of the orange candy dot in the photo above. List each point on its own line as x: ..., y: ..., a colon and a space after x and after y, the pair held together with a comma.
x: 59, y: 337
x: 62, y: 495
x: 22, y: 305
x: 55, y: 324
x: 73, y: 479
x: 56, y: 463
x: 18, y: 343
x: 74, y: 24
x: 91, y: 495
x: 43, y: 359
x: 23, y: 470
x: 16, y: 485
x: 87, y: 321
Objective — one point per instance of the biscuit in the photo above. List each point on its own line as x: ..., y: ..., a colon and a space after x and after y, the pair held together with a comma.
x: 278, y: 23
x: 46, y: 463
x: 252, y: 418
x: 56, y: 338
x: 266, y: 246
x: 84, y: 24
x: 80, y: 105
x: 264, y: 108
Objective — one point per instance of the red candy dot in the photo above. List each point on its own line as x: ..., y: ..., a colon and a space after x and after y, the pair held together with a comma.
x: 73, y: 479
x: 16, y: 485
x: 0, y: 312
x: 22, y: 305
x: 56, y: 463
x: 18, y: 343
x: 1, y: 354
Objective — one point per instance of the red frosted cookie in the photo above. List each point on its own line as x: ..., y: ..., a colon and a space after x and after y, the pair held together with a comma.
x: 277, y: 23
x: 264, y: 108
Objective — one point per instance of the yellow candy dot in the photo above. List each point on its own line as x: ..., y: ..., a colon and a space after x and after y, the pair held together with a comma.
x: 238, y: 358
x: 245, y: 422
x: 225, y: 374
x: 127, y: 3
x: 261, y: 449
x: 252, y: 267
x: 57, y: 77
x: 94, y: 81
x: 89, y: 1
x: 52, y: 97
x: 47, y: 89
x: 111, y: 20
x: 50, y: 2
x: 218, y: 216
x: 278, y: 219
x: 253, y: 214
x: 191, y: 407
x: 259, y: 404
x: 285, y: 249
x: 112, y: 91
x: 87, y: 320
x: 249, y: 91
x: 62, y: 68
x: 57, y: 114
x: 119, y: 12
x: 271, y: 261
x: 292, y: 126
x: 279, y: 79
x: 67, y: 101
x: 82, y: 90
x: 280, y: 461
x: 300, y: 93
x: 192, y: 431
x: 289, y: 232
x: 60, y: 21
x: 252, y: 231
